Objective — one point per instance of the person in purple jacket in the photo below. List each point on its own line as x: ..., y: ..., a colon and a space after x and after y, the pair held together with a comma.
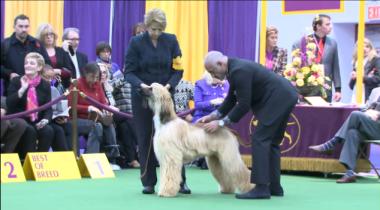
x: 209, y: 93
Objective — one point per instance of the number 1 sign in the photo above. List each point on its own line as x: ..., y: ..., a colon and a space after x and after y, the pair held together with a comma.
x: 95, y: 166
x: 11, y: 170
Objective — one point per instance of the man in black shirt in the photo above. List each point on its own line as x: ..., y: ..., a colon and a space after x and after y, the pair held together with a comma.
x: 16, y: 47
x: 271, y: 98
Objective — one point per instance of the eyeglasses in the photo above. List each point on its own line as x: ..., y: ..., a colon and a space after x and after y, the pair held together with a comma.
x: 74, y: 39
x: 49, y: 34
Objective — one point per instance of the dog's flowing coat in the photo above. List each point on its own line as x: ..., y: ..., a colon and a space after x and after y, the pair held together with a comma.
x: 177, y: 142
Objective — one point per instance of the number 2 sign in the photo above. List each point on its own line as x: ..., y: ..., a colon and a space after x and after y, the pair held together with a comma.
x: 11, y: 170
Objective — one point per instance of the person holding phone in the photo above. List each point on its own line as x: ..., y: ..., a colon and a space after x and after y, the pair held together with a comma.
x: 70, y: 44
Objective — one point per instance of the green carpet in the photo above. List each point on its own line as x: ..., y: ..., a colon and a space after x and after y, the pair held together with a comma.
x: 124, y: 193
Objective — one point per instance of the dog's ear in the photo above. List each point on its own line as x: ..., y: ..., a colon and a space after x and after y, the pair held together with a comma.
x: 147, y: 91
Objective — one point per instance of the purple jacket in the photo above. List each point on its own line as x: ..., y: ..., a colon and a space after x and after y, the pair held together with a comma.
x: 203, y: 94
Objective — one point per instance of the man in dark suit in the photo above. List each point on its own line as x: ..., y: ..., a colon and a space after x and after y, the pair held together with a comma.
x: 15, y: 48
x: 70, y: 45
x: 358, y: 126
x: 326, y: 53
x: 271, y: 98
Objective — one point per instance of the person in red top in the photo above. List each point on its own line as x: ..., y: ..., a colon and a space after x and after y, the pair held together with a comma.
x: 97, y: 132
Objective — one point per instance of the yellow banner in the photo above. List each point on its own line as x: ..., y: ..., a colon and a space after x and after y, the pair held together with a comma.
x: 11, y: 170
x: 47, y: 166
x: 95, y: 166
x: 188, y: 20
x: 38, y: 12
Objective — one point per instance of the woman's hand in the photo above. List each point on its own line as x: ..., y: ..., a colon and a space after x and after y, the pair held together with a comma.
x: 42, y: 124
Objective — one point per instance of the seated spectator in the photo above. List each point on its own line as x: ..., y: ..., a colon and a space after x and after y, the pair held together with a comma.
x: 184, y: 93
x: 209, y: 94
x: 28, y: 93
x: 138, y: 29
x: 60, y: 114
x: 371, y: 74
x: 97, y: 132
x: 11, y: 130
x: 359, y: 125
x: 125, y: 129
x: 59, y: 59
x: 70, y: 44
x: 103, y: 53
x: 276, y: 58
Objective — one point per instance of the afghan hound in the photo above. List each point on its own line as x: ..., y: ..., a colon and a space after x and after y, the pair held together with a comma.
x: 177, y: 142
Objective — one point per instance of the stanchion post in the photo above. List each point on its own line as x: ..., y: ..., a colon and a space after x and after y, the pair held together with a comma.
x: 74, y: 122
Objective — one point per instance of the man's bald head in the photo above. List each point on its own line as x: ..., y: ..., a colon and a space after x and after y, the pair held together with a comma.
x: 216, y: 64
x: 213, y: 57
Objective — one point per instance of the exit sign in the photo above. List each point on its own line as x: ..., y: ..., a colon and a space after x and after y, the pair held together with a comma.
x: 373, y: 12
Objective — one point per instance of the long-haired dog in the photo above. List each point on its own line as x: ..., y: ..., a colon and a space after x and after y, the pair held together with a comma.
x: 177, y: 142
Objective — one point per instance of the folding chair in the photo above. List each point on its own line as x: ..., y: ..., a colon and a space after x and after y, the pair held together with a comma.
x: 362, y: 153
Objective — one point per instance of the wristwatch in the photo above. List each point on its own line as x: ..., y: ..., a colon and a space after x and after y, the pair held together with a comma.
x: 221, y: 123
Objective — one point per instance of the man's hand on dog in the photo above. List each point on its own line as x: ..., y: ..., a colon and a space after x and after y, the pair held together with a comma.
x: 212, y: 126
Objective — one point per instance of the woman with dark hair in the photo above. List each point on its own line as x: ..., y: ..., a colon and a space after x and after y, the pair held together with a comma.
x: 97, y: 132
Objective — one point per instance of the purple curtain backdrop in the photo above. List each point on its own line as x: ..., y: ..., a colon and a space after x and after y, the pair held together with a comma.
x: 232, y: 27
x: 2, y: 18
x: 126, y: 15
x: 2, y: 36
x: 93, y: 20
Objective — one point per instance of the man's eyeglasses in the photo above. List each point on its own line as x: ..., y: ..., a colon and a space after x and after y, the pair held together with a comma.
x: 74, y: 39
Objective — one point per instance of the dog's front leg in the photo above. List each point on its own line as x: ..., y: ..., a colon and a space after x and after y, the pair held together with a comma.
x: 170, y: 176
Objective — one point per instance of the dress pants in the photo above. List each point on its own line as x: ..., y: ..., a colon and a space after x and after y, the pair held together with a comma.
x: 356, y: 128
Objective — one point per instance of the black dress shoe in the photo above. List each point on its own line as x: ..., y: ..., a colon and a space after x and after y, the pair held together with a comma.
x: 256, y: 193
x: 346, y: 179
x: 148, y: 190
x: 277, y: 192
x: 184, y: 189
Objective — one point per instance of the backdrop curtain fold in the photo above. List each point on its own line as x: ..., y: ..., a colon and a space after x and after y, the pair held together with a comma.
x: 126, y: 15
x: 188, y: 20
x: 92, y: 18
x: 232, y: 27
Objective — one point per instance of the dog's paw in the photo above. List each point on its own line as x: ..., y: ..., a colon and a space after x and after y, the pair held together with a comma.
x: 166, y: 194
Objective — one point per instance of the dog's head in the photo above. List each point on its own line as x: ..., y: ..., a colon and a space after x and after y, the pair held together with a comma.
x: 160, y: 102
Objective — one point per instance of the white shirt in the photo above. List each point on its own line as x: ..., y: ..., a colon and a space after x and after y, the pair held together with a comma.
x: 75, y: 62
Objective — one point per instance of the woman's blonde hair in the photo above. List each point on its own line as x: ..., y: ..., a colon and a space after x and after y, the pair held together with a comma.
x: 271, y: 30
x: 43, y: 30
x: 155, y: 16
x: 371, y: 54
x: 38, y: 57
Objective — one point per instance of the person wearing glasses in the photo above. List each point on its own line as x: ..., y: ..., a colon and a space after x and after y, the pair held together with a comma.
x: 70, y: 45
x: 60, y: 60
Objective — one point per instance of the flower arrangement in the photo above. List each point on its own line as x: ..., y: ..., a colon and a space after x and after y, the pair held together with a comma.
x: 305, y: 73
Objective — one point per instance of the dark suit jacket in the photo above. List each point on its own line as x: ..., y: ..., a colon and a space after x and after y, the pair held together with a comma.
x: 82, y: 61
x: 145, y: 63
x: 330, y: 61
x: 253, y: 87
x: 370, y: 82
x: 16, y: 104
